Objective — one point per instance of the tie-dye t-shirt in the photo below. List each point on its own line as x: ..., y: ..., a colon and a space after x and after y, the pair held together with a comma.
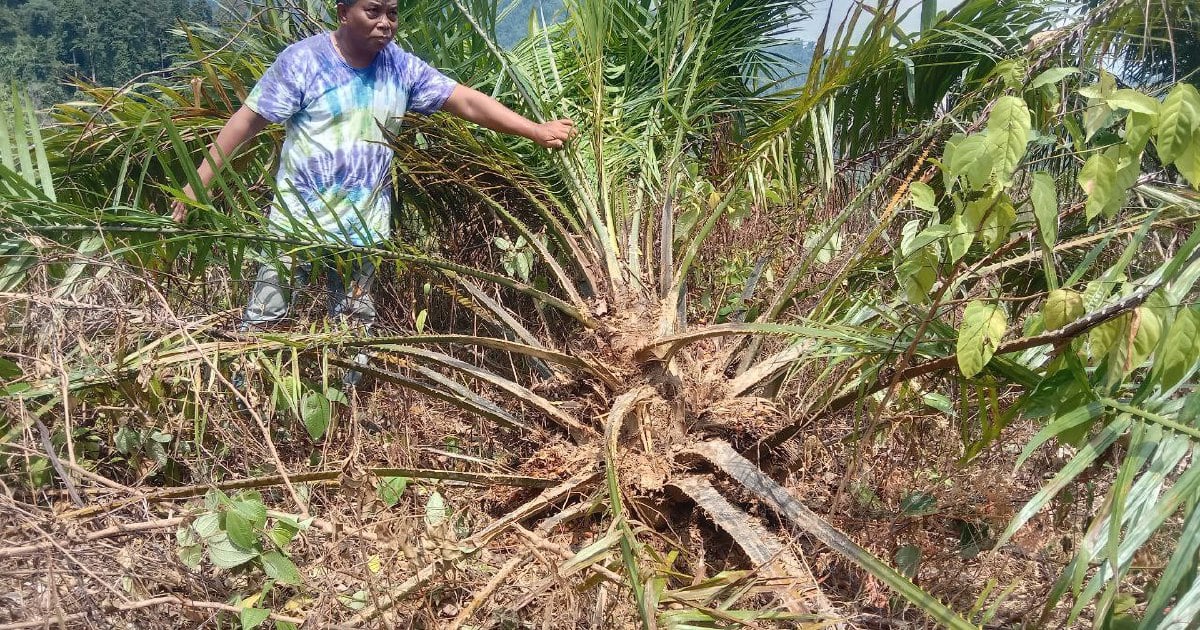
x: 334, y: 175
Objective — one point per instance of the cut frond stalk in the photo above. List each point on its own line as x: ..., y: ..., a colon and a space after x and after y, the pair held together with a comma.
x: 518, y: 391
x: 722, y: 455
x: 459, y: 397
x: 476, y: 478
x: 622, y: 407
x: 791, y: 580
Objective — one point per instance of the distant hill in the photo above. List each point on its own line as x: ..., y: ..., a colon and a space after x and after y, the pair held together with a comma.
x: 44, y: 43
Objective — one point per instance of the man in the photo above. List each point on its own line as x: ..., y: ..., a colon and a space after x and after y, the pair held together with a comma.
x: 332, y: 91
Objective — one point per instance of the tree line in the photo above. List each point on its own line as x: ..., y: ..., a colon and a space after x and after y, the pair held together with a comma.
x: 44, y: 44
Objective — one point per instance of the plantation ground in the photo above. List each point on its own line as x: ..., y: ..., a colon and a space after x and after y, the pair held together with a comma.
x: 360, y: 550
x: 945, y: 251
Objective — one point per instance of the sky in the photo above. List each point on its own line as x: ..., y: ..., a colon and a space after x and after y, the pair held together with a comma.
x: 514, y: 27
x: 810, y: 29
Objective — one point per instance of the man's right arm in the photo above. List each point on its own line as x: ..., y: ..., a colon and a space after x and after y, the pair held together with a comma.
x: 243, y: 125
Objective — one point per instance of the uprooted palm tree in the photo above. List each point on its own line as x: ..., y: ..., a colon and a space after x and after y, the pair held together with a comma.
x: 926, y: 176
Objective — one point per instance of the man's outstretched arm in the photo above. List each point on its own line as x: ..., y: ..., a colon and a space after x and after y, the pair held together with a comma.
x: 243, y: 125
x: 485, y: 111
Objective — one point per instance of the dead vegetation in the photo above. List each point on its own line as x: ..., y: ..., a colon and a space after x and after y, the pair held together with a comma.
x: 519, y: 536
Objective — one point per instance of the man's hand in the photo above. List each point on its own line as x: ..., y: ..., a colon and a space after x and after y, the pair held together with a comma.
x: 475, y: 106
x: 555, y: 133
x: 179, y: 209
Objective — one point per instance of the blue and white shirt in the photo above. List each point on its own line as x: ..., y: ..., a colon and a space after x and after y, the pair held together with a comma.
x: 334, y: 176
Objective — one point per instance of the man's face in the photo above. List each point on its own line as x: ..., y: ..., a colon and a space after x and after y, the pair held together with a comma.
x: 371, y: 22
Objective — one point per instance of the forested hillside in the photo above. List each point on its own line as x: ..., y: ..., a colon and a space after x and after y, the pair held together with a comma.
x: 44, y: 42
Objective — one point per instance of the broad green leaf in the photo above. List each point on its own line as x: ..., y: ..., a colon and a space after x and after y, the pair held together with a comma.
x: 1102, y: 338
x: 1145, y: 338
x: 190, y: 555
x: 225, y: 555
x: 1098, y: 113
x: 249, y: 504
x: 436, y: 510
x: 968, y: 157
x: 908, y: 560
x: 908, y: 234
x: 922, y: 196
x: 524, y: 264
x: 207, y: 526
x: 1048, y: 395
x: 335, y: 395
x: 280, y: 568
x: 830, y: 249
x: 1098, y: 180
x: 252, y: 617
x: 9, y: 370
x: 1051, y: 76
x: 1062, y: 307
x: 938, y: 401
x: 912, y: 241
x: 992, y: 217
x: 1008, y: 135
x: 1188, y: 162
x: 1178, y: 122
x: 185, y: 535
x: 1129, y: 167
x: 1133, y: 101
x: 315, y: 412
x: 918, y: 504
x: 283, y: 533
x: 127, y: 440
x: 993, y: 231
x: 1180, y: 349
x: 1135, y: 341
x: 390, y: 489
x: 1138, y: 127
x: 917, y: 274
x: 356, y: 601
x: 983, y: 325
x: 240, y: 532
x: 14, y: 389
x: 961, y: 237
x: 1097, y: 116
x: 1014, y: 72
x: 1045, y: 207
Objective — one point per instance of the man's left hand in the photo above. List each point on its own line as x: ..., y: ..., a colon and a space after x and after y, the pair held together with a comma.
x: 555, y: 133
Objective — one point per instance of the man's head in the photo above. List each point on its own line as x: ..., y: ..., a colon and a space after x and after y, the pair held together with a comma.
x: 370, y: 24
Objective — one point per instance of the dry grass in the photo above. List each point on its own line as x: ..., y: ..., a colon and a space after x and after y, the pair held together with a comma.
x: 361, y: 551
